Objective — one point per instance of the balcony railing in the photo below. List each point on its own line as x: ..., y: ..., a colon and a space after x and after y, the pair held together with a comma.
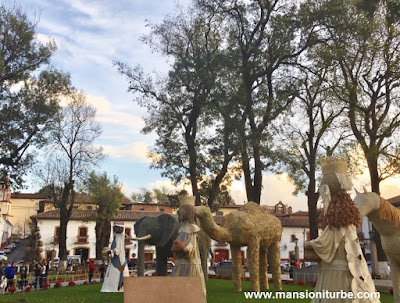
x: 83, y: 239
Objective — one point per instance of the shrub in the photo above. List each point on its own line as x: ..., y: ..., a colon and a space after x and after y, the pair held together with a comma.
x: 154, y: 274
x: 227, y: 278
x: 86, y: 283
x: 46, y: 285
x: 248, y: 279
x: 390, y: 290
x: 301, y: 283
x: 211, y: 276
x: 219, y: 277
x: 269, y: 280
x: 71, y: 283
x: 28, y: 289
x: 58, y: 284
x: 12, y: 289
x: 314, y: 283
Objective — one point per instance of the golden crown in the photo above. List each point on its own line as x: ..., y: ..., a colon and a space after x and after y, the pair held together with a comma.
x: 331, y: 165
x: 185, y: 199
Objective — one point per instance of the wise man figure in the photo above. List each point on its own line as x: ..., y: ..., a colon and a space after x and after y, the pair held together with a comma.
x: 342, y: 266
x: 186, y: 248
x: 117, y: 266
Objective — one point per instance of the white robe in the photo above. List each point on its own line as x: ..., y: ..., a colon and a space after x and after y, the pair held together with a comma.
x: 112, y: 276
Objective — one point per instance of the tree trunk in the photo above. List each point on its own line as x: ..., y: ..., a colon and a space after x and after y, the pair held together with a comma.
x: 312, y: 199
x: 375, y: 182
x: 102, y: 237
x: 140, y: 263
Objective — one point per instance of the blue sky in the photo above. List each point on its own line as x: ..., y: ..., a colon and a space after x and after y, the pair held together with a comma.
x: 90, y: 35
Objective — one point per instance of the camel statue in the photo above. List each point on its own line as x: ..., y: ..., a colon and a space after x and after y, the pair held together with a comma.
x: 386, y: 219
x: 254, y: 227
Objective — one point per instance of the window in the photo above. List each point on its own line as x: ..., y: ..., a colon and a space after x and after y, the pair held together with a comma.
x: 128, y: 233
x: 90, y: 207
x: 83, y: 235
x: 292, y: 237
x: 56, y: 234
x: 142, y: 209
x: 161, y: 209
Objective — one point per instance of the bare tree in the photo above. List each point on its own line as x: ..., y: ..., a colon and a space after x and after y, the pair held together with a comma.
x: 73, y: 155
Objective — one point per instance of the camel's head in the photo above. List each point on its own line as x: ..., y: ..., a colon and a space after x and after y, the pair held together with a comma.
x: 367, y: 203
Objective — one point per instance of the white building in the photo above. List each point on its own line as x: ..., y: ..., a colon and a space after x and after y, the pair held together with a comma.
x: 81, y: 234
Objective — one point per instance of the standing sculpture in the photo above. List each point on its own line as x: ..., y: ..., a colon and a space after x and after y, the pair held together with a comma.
x: 342, y: 266
x: 117, y: 267
x: 254, y: 227
x: 386, y: 219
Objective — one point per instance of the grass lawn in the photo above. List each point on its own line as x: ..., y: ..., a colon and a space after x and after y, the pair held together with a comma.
x: 217, y: 291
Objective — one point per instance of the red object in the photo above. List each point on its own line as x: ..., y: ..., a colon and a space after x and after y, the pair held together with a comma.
x: 248, y: 278
x: 86, y: 282
x: 390, y: 290
x: 91, y: 266
x: 314, y: 283
x: 219, y: 277
x: 301, y: 283
x: 227, y: 278
x: 28, y: 289
x: 71, y: 283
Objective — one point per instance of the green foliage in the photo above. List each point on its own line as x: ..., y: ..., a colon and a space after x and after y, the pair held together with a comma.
x: 28, y: 99
x: 144, y: 195
x: 106, y: 194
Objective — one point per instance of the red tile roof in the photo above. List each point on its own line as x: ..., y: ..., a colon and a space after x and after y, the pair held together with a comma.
x: 81, y: 198
x: 82, y: 214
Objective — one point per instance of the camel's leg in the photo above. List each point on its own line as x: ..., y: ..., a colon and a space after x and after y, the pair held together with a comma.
x: 254, y: 268
x: 263, y: 268
x: 395, y: 275
x: 274, y: 258
x: 236, y: 268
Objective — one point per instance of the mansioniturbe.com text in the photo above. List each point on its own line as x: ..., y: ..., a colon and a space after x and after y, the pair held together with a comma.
x: 325, y: 294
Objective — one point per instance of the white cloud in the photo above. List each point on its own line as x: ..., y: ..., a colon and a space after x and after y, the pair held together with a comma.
x: 137, y: 151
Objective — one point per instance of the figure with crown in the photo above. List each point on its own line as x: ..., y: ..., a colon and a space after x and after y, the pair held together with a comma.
x: 185, y: 247
x: 342, y: 266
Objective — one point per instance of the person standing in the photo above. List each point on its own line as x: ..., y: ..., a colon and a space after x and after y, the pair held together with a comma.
x: 117, y: 268
x: 43, y: 273
x: 10, y: 272
x: 102, y: 269
x: 187, y: 259
x: 22, y: 281
x: 38, y: 269
x: 91, y: 270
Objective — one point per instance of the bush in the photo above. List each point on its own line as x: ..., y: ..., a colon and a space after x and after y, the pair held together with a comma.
x: 301, y: 283
x: 228, y: 278
x: 390, y: 290
x: 71, y: 283
x: 219, y: 277
x: 12, y: 289
x: 314, y: 283
x: 210, y: 276
x: 28, y: 289
x: 58, y: 284
x: 85, y: 283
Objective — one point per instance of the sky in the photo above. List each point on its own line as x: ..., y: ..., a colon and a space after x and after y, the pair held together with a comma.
x: 90, y: 36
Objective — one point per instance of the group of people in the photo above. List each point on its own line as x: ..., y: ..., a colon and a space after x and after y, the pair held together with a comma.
x: 41, y: 273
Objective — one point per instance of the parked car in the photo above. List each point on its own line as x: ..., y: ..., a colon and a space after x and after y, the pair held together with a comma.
x: 7, y: 249
x: 150, y: 268
x: 3, y: 256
